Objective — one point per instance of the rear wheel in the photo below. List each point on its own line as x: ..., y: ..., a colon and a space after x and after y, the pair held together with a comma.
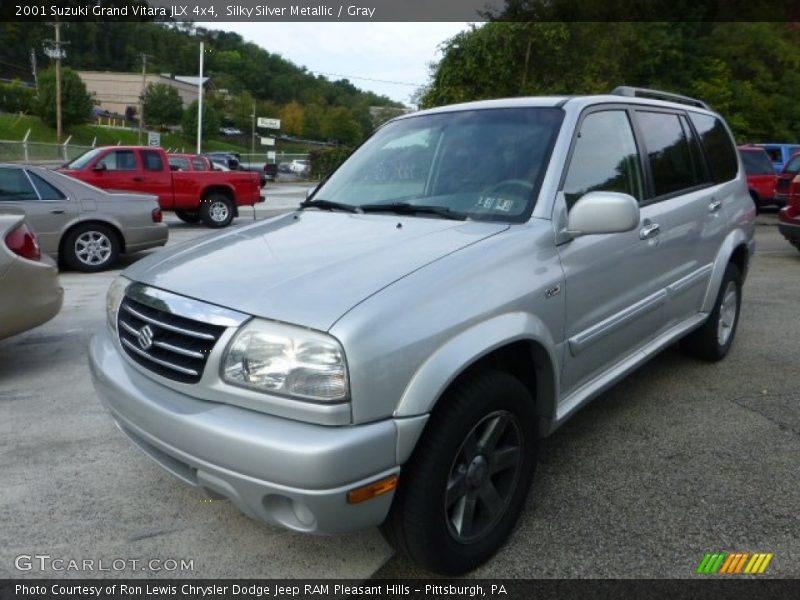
x: 462, y: 491
x: 713, y: 340
x: 188, y: 216
x: 216, y: 210
x: 91, y: 247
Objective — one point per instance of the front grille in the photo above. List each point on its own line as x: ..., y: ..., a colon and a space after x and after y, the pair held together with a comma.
x: 172, y: 346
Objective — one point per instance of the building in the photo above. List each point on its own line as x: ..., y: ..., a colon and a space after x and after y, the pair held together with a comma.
x: 115, y: 92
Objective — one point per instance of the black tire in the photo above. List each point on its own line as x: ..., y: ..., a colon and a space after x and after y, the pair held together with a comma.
x: 188, y: 216
x: 713, y: 339
x: 216, y: 211
x: 757, y: 201
x: 91, y: 247
x: 421, y: 524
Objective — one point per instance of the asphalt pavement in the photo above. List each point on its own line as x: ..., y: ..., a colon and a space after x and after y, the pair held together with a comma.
x: 680, y: 459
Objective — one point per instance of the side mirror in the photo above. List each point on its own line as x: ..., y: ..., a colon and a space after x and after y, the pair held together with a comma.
x: 99, y: 167
x: 603, y: 212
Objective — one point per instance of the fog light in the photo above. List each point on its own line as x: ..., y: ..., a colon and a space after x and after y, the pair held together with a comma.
x: 368, y: 492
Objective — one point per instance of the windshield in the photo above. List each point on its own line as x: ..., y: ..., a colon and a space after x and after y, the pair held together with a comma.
x: 84, y: 159
x: 483, y: 164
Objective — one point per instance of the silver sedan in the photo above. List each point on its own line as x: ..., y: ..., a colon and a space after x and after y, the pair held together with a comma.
x: 30, y: 293
x: 81, y: 226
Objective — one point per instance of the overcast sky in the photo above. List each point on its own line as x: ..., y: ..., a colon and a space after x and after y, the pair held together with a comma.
x: 398, y: 52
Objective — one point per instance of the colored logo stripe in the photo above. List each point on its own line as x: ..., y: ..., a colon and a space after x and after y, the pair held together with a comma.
x: 734, y: 563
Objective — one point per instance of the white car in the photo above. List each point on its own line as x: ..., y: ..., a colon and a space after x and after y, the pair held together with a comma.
x: 230, y: 131
x: 299, y: 166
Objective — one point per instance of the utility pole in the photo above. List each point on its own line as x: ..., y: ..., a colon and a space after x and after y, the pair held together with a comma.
x: 141, y: 96
x: 33, y: 69
x: 200, y: 102
x: 253, y: 131
x: 54, y: 49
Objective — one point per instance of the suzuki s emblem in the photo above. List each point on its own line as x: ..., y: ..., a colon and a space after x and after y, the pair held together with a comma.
x: 145, y: 337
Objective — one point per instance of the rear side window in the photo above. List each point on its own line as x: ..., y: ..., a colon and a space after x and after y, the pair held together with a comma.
x: 179, y: 162
x: 152, y: 161
x: 668, y: 152
x: 119, y: 160
x: 718, y: 146
x: 46, y: 191
x: 605, y: 158
x: 199, y: 164
x: 14, y: 185
x: 756, y: 162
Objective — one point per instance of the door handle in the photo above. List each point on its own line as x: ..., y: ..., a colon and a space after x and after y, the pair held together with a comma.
x: 58, y: 211
x: 649, y: 231
x: 138, y: 178
x: 714, y: 206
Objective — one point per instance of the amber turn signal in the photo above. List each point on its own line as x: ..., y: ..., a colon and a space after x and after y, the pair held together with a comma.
x: 368, y: 492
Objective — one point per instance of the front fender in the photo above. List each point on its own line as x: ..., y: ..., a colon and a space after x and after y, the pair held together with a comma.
x: 452, y: 358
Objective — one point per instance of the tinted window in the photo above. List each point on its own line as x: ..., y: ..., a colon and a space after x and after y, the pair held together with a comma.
x: 793, y: 166
x: 698, y: 161
x: 775, y: 154
x: 718, y: 146
x: 179, y: 162
x: 119, y: 160
x: 199, y: 164
x: 152, y: 161
x: 756, y: 162
x: 605, y: 158
x: 668, y: 152
x: 45, y: 189
x: 14, y: 185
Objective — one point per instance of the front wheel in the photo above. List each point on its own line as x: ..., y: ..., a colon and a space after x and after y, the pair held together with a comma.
x: 462, y: 491
x: 91, y: 247
x: 714, y: 338
x: 216, y: 211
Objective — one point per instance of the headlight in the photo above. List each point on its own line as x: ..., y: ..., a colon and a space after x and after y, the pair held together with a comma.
x: 291, y: 361
x: 114, y: 296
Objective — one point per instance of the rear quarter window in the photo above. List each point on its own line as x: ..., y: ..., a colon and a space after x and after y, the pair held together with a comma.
x: 719, y: 148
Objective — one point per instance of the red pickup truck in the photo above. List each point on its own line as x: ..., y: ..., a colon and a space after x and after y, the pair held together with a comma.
x: 213, y: 197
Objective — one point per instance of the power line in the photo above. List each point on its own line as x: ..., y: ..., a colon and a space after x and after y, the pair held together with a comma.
x: 366, y: 78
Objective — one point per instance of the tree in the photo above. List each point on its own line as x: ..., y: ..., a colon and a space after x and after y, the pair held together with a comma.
x: 76, y: 103
x: 292, y: 119
x: 162, y: 105
x: 341, y: 126
x: 211, y: 121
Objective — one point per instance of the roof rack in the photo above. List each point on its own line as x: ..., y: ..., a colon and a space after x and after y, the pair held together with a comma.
x: 625, y: 90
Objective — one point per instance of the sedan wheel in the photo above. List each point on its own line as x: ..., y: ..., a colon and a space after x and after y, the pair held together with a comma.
x: 91, y: 247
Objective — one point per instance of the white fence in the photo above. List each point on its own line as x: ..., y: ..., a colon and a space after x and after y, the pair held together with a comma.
x: 39, y: 152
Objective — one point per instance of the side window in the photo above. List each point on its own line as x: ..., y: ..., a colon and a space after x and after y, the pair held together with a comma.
x: 119, y: 160
x: 179, y: 162
x: 718, y: 145
x: 605, y: 158
x: 668, y: 152
x: 14, y: 185
x: 199, y: 164
x: 698, y: 162
x: 152, y: 161
x: 45, y: 189
x: 756, y: 162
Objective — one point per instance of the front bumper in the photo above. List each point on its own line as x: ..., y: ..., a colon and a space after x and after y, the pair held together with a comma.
x: 284, y: 472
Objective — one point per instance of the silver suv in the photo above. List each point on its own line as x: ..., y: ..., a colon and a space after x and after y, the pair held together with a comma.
x: 390, y: 352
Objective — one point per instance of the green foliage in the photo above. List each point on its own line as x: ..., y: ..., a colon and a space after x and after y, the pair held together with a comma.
x: 211, y: 121
x: 162, y: 105
x: 325, y: 160
x: 341, y: 126
x: 16, y: 97
x: 76, y: 103
x: 748, y: 72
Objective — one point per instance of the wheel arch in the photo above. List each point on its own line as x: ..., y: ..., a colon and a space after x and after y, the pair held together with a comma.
x: 736, y: 249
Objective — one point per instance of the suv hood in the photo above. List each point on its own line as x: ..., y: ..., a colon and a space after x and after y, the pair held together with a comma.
x: 307, y: 267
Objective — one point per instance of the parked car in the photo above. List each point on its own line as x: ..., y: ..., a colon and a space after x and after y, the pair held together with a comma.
x: 478, y: 273
x: 208, y: 196
x: 189, y: 162
x: 761, y: 177
x: 232, y: 160
x: 789, y: 221
x: 30, y: 293
x: 230, y: 131
x: 785, y: 185
x: 80, y: 225
x: 779, y: 154
x: 270, y: 171
x: 298, y: 166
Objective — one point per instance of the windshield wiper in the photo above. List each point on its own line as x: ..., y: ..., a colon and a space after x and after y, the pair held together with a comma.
x: 329, y: 205
x: 404, y: 208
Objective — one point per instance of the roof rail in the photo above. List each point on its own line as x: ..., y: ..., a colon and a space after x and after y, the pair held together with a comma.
x: 625, y: 90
